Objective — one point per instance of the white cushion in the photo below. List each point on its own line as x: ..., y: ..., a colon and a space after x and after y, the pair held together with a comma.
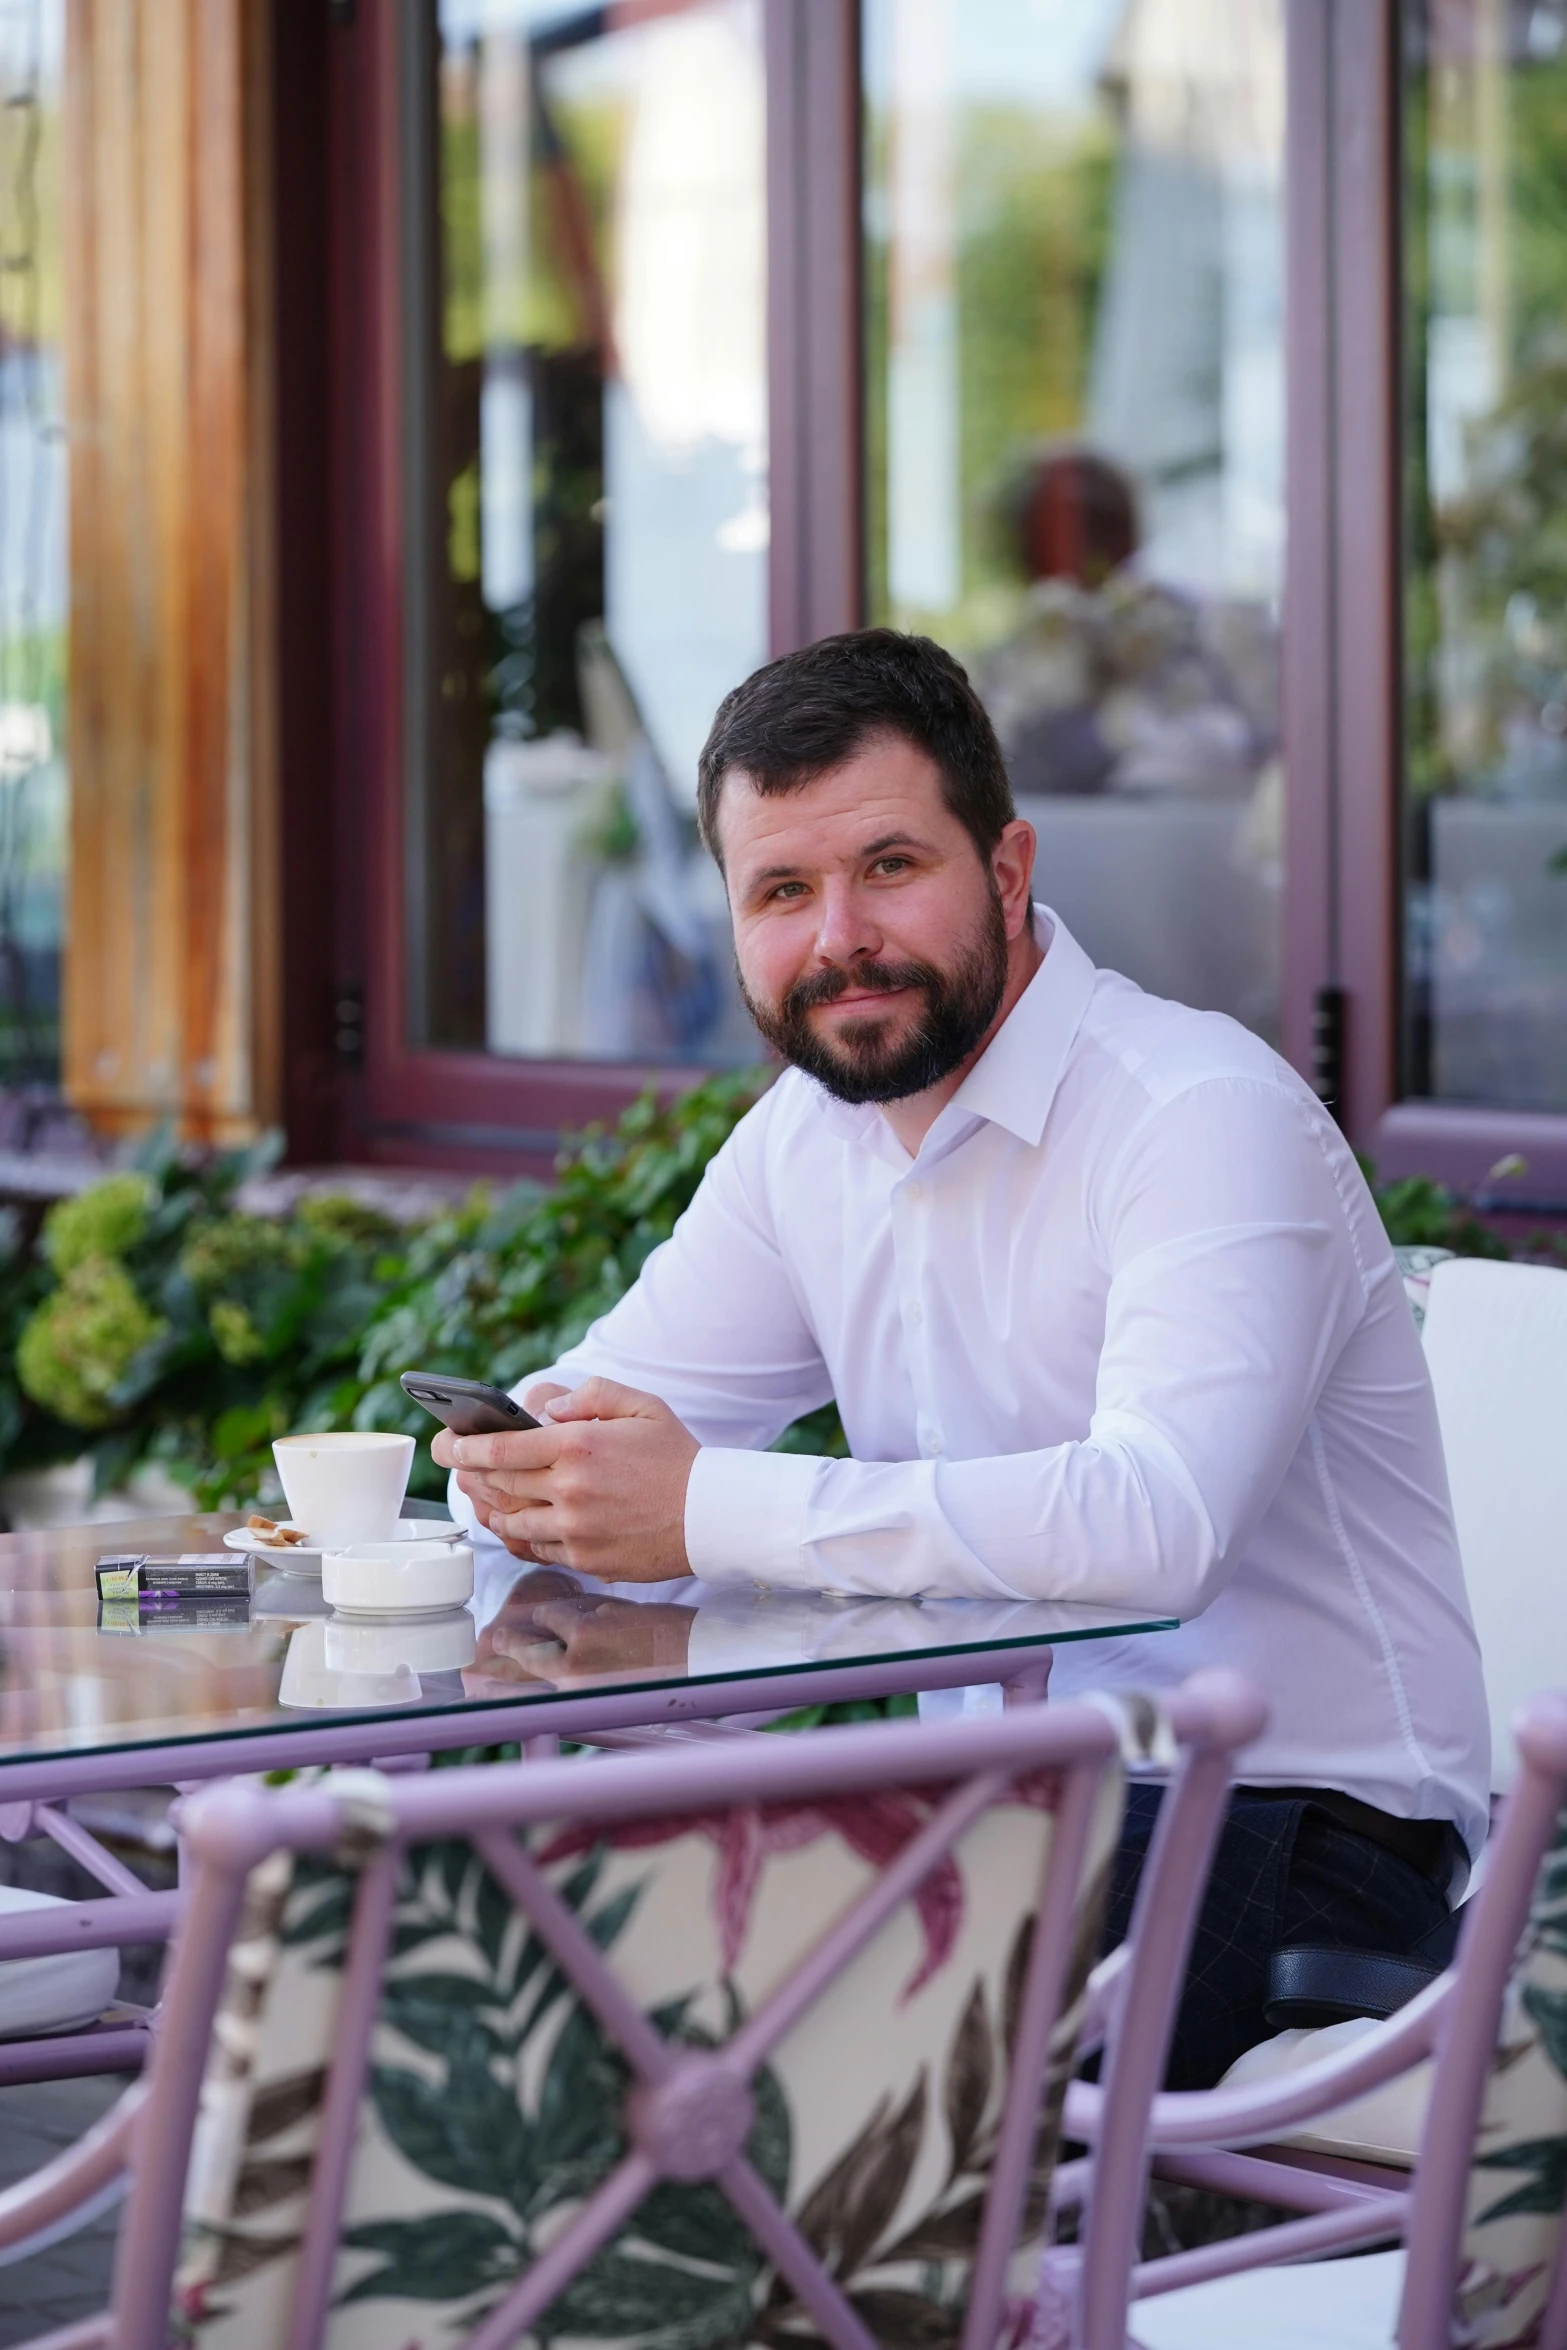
x: 56, y: 1994
x: 1316, y: 2305
x: 1383, y: 2126
x: 1496, y: 1345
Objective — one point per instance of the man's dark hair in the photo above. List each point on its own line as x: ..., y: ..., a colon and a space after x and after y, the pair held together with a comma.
x: 804, y: 715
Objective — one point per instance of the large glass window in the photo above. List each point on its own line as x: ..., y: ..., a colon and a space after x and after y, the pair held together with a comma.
x: 588, y: 461
x: 1485, y: 807
x: 1075, y: 441
x: 33, y: 550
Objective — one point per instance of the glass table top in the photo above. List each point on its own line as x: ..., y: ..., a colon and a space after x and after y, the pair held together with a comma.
x: 79, y: 1677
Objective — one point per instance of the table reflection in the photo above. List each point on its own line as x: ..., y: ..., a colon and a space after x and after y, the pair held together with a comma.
x: 350, y: 1663
x: 553, y: 1630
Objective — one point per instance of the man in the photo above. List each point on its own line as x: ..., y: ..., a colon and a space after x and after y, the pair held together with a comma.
x: 1102, y: 1297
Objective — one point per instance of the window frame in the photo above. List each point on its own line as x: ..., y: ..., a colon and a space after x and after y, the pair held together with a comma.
x: 383, y: 1099
x: 1341, y: 585
x: 411, y: 1104
x: 1344, y: 621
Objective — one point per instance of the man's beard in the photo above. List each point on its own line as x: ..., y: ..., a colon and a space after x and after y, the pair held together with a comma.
x: 862, y: 1062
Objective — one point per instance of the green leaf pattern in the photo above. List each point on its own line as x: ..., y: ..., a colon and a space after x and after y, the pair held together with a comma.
x: 1511, y: 2235
x: 495, y: 2108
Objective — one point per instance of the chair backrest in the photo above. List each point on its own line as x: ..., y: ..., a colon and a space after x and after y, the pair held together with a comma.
x: 710, y: 2045
x: 1484, y: 2213
x: 1485, y: 2229
x: 1496, y: 1343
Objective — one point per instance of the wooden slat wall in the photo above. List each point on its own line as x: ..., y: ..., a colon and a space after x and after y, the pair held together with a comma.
x: 172, y: 960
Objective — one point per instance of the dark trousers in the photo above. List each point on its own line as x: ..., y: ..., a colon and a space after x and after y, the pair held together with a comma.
x: 1283, y: 1872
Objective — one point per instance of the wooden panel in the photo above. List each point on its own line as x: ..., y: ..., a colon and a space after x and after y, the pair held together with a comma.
x: 171, y: 976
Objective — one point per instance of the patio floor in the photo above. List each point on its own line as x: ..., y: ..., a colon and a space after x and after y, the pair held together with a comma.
x: 71, y: 2279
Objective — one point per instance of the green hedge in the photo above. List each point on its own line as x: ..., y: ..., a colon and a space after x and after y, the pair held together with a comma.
x: 151, y: 1320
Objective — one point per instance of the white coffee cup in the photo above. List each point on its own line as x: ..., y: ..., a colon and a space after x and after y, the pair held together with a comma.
x: 347, y: 1486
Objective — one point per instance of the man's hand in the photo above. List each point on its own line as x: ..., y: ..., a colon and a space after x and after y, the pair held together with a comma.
x: 600, y: 1486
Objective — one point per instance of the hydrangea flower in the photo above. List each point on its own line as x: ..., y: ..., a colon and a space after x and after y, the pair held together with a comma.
x: 106, y: 1221
x: 78, y: 1346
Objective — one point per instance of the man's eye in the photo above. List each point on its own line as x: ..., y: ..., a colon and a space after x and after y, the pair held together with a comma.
x: 890, y: 865
x: 787, y: 889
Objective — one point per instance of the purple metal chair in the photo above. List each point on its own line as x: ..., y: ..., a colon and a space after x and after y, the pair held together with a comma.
x: 1480, y: 2221
x: 59, y: 2014
x: 742, y: 2039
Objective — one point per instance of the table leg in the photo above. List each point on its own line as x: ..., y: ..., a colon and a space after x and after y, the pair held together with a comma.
x: 1031, y: 1685
x: 85, y: 1849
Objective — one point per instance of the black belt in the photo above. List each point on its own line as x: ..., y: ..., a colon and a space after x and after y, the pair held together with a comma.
x: 1429, y: 1846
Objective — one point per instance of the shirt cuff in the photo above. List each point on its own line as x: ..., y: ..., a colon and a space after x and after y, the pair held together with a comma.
x: 745, y: 1515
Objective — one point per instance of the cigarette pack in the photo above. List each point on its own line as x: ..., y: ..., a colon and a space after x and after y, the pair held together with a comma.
x: 195, y: 1574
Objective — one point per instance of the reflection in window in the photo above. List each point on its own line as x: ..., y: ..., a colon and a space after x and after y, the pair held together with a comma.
x: 33, y: 551
x: 1075, y: 441
x: 589, y: 479
x: 1486, y: 599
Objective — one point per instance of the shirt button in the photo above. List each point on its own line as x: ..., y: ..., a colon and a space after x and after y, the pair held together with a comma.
x: 916, y: 1313
x: 916, y: 1189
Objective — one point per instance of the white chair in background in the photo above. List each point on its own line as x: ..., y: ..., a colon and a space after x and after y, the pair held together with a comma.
x: 1496, y: 1343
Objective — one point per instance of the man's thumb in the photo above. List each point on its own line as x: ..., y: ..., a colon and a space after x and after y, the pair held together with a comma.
x: 601, y: 1399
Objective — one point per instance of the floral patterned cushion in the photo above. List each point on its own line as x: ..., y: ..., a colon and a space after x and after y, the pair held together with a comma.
x: 1519, y: 2181
x: 493, y: 2105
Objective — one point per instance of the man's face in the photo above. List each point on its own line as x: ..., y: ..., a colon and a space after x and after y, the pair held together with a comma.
x: 870, y: 935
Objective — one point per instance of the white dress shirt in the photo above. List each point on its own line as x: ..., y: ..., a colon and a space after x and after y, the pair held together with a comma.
x: 1126, y: 1328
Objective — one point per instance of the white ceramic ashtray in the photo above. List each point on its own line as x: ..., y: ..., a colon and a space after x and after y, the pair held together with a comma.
x: 397, y: 1578
x: 379, y: 1645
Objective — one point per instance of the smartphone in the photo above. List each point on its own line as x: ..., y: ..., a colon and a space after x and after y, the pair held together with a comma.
x: 466, y: 1406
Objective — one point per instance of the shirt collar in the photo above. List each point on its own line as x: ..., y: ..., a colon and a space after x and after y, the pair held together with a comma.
x: 1014, y: 1081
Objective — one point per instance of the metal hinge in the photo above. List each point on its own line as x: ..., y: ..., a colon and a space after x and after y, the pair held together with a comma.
x: 1329, y: 1007
x: 348, y: 1024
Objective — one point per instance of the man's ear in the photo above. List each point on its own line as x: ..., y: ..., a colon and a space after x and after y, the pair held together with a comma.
x: 1012, y: 865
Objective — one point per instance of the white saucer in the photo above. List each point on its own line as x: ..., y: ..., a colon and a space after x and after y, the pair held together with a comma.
x: 287, y: 1558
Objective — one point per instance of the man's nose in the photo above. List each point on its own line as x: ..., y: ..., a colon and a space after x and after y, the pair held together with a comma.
x: 846, y: 928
